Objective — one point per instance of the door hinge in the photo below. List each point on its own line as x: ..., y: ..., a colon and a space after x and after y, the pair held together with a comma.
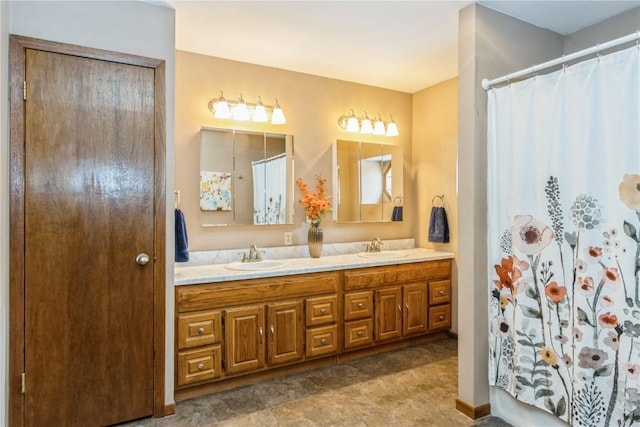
x: 24, y: 383
x: 24, y: 90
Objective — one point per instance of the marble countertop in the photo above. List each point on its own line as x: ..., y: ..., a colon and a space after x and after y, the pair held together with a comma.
x: 195, y: 274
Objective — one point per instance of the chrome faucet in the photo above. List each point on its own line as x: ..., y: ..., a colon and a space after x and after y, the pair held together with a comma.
x: 374, y: 246
x: 253, y: 255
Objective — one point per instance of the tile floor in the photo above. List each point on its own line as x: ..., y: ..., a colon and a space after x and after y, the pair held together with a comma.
x: 415, y: 386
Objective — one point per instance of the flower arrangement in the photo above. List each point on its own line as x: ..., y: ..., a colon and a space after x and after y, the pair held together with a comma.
x: 315, y: 204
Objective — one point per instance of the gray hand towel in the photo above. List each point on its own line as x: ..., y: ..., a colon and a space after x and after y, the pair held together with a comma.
x: 438, y: 226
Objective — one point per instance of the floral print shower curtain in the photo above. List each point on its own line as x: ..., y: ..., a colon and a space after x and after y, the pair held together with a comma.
x: 564, y: 240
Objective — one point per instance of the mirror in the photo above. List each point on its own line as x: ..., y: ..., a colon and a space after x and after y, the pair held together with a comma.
x: 368, y: 179
x: 246, y: 178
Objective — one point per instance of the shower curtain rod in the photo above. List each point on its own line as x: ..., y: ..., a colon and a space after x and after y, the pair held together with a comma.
x: 488, y: 84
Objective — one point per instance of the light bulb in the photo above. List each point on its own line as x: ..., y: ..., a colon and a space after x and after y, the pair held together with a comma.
x: 277, y: 118
x: 260, y: 114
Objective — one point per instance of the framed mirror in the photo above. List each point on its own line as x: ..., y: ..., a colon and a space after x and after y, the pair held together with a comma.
x: 367, y: 181
x: 246, y: 178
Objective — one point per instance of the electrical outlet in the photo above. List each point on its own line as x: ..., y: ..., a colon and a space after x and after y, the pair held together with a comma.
x: 288, y: 238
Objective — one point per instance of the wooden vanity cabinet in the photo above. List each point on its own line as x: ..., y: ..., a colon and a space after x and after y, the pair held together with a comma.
x: 233, y: 333
x: 407, y: 300
x: 256, y: 325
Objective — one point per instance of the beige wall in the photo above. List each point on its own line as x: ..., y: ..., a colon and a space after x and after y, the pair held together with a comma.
x: 490, y: 45
x: 312, y: 106
x: 435, y: 154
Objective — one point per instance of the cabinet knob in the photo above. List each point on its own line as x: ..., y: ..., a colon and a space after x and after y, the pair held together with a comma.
x: 360, y: 333
x: 441, y: 292
x: 200, y: 331
x: 323, y: 341
x: 200, y: 366
x: 360, y: 305
x: 441, y: 318
x: 323, y: 311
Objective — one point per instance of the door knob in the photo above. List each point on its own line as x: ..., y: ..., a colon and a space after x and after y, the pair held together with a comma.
x: 142, y: 259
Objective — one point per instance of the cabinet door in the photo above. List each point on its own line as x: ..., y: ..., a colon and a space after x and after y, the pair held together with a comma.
x: 244, y: 339
x: 415, y: 309
x: 388, y: 314
x: 286, y: 332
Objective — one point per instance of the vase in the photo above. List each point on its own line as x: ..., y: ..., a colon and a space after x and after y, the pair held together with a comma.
x: 315, y: 239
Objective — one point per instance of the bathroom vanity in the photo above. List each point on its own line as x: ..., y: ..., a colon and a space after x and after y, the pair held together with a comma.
x: 237, y: 327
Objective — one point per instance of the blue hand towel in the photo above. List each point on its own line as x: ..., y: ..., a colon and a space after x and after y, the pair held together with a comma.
x: 438, y: 226
x: 182, y: 241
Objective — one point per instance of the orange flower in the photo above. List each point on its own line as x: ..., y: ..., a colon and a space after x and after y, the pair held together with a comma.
x: 608, y: 320
x: 554, y: 292
x: 509, y: 272
x: 315, y: 204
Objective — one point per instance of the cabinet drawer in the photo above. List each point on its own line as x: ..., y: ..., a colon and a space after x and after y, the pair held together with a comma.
x: 371, y: 277
x: 322, y: 340
x: 321, y: 310
x: 358, y: 305
x: 199, y: 365
x: 440, y: 317
x: 358, y: 333
x: 196, y: 329
x: 439, y: 292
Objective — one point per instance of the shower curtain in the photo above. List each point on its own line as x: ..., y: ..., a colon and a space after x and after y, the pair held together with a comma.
x: 564, y: 240
x: 269, y: 190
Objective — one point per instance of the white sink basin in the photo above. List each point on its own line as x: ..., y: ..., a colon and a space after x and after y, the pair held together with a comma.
x: 383, y: 254
x: 256, y: 265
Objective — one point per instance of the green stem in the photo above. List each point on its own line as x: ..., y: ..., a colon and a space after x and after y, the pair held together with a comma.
x: 614, y: 391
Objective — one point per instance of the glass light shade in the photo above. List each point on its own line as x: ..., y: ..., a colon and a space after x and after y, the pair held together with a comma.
x: 392, y: 129
x: 352, y: 123
x: 260, y: 114
x: 366, y: 126
x: 241, y: 112
x: 222, y: 110
x: 277, y: 118
x: 378, y: 127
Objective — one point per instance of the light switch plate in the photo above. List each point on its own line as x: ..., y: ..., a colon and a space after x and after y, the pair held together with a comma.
x: 288, y: 238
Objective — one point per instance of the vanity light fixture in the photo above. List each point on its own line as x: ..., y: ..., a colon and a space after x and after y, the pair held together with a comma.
x: 351, y: 123
x: 244, y: 111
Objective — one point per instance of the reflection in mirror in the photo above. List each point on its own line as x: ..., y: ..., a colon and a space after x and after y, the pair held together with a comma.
x: 245, y: 177
x: 368, y: 179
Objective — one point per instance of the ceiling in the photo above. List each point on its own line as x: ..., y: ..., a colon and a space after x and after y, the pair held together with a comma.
x: 400, y: 45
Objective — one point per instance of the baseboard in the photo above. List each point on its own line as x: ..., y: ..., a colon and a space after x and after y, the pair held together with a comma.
x: 452, y: 335
x: 169, y: 409
x: 471, y: 411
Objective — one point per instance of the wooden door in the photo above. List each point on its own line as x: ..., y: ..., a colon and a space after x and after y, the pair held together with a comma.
x: 286, y: 332
x: 414, y: 319
x: 388, y: 314
x: 244, y: 338
x: 88, y: 212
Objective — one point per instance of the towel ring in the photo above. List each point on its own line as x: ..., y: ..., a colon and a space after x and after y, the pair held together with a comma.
x: 438, y: 196
x: 176, y: 199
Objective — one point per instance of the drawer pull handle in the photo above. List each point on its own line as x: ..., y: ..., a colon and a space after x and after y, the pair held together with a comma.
x: 323, y: 311
x: 200, y: 331
x: 406, y: 306
x: 261, y: 333
x: 360, y: 333
x: 323, y: 341
x: 399, y: 308
x: 360, y: 305
x: 200, y: 366
x: 440, y: 292
x: 441, y: 318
